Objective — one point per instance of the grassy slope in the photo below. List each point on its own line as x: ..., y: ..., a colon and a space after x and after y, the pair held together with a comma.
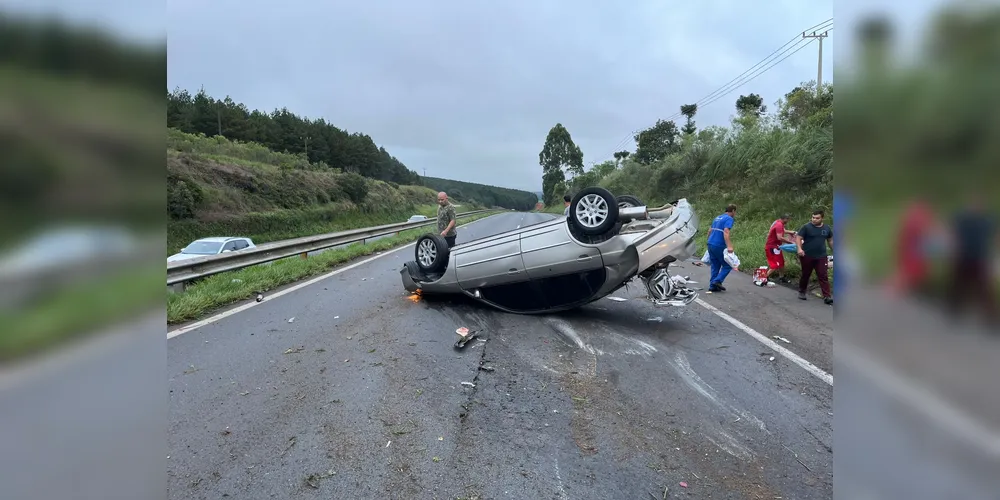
x: 247, y: 190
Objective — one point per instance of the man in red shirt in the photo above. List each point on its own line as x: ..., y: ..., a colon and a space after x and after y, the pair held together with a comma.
x: 777, y: 236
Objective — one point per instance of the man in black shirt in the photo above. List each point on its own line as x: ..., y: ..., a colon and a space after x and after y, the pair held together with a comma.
x: 811, y: 244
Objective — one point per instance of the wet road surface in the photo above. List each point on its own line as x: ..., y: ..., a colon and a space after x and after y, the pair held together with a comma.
x: 363, y: 396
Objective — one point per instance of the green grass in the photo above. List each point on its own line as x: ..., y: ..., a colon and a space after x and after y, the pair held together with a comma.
x: 221, y: 290
x: 78, y: 310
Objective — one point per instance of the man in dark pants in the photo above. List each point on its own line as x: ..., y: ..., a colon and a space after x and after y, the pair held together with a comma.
x: 811, y: 243
x: 975, y: 232
x: 446, y: 219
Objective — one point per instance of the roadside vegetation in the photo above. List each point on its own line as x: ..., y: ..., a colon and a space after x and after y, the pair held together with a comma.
x: 82, y: 142
x: 767, y: 163
x: 218, y: 187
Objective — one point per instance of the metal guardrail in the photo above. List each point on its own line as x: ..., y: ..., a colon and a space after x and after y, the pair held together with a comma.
x: 201, y: 267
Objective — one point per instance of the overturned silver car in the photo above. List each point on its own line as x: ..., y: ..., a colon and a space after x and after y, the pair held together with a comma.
x: 566, y: 262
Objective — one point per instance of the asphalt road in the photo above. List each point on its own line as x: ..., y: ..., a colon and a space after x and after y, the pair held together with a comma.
x: 362, y: 396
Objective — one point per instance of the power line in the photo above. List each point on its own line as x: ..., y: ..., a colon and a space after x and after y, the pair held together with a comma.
x: 751, y: 78
x: 727, y: 88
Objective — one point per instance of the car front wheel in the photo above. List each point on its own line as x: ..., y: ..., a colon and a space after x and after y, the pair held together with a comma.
x: 431, y: 253
x: 594, y: 211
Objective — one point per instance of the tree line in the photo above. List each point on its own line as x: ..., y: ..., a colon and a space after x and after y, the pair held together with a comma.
x: 800, y: 108
x: 283, y: 131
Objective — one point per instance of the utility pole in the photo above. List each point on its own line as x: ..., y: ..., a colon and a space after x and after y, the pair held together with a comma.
x: 819, y: 70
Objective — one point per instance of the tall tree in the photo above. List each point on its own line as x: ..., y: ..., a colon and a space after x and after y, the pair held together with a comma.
x: 621, y: 156
x: 656, y: 142
x: 559, y: 153
x: 750, y: 105
x: 689, y: 110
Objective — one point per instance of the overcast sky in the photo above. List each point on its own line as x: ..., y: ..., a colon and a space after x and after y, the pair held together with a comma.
x: 468, y: 90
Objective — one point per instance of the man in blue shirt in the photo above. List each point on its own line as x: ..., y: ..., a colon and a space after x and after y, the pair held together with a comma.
x: 719, y: 242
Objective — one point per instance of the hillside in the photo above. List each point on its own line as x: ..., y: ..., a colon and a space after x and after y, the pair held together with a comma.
x: 220, y: 187
x: 490, y: 196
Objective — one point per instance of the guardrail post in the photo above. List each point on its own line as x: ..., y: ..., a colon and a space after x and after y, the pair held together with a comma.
x: 176, y: 287
x: 304, y: 255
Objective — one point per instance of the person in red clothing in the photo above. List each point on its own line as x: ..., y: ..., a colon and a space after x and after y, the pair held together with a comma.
x: 777, y: 236
x: 913, y: 266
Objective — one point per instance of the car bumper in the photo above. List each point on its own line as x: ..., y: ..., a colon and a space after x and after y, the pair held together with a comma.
x: 408, y: 283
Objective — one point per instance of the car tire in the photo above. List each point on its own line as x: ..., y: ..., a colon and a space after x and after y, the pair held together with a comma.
x: 594, y: 211
x: 431, y: 253
x: 627, y: 200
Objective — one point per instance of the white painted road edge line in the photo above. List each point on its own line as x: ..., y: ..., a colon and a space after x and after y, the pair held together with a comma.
x: 212, y: 319
x: 791, y: 356
x: 945, y: 414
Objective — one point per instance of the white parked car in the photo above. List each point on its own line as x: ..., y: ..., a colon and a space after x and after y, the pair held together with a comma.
x: 212, y: 246
x: 417, y: 218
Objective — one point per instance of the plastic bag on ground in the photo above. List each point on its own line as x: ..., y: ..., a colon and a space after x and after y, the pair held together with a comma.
x: 705, y: 258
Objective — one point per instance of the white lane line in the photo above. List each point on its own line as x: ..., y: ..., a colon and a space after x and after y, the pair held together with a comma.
x: 791, y: 356
x: 194, y: 326
x: 945, y: 414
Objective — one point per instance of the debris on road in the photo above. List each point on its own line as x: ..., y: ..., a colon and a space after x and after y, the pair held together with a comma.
x: 313, y: 479
x: 783, y: 339
x: 658, y: 319
x: 470, y: 384
x: 616, y: 299
x: 260, y: 297
x: 771, y: 359
x: 466, y: 335
x: 336, y: 317
x: 487, y: 368
x: 683, y: 484
x: 293, y: 350
x: 291, y: 319
x: 436, y: 459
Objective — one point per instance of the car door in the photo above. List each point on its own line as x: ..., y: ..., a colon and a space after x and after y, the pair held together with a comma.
x: 549, y: 251
x: 489, y: 262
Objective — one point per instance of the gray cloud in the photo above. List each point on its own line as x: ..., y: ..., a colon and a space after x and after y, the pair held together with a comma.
x: 468, y: 91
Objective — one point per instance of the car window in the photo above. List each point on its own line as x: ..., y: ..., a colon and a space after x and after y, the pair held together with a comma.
x: 241, y: 244
x: 229, y: 246
x: 202, y: 248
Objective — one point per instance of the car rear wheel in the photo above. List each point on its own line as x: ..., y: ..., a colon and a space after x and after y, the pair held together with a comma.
x: 431, y: 253
x: 627, y: 200
x: 594, y: 211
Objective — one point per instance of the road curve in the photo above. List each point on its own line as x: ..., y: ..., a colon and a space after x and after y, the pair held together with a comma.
x: 361, y: 395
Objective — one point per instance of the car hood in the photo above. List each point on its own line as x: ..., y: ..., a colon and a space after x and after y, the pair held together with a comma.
x: 182, y: 256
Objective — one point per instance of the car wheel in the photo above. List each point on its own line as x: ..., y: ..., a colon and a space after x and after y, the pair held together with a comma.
x: 431, y: 252
x: 594, y: 211
x: 626, y: 201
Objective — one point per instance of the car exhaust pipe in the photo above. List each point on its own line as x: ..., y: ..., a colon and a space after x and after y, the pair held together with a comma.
x: 633, y: 213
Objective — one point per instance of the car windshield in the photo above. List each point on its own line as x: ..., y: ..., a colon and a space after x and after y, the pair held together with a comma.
x: 203, y: 248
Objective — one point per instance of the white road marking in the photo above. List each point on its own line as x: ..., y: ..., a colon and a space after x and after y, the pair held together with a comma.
x: 947, y: 415
x: 791, y: 356
x: 194, y: 326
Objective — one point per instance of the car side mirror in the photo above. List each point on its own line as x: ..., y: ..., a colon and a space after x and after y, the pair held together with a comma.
x: 226, y: 251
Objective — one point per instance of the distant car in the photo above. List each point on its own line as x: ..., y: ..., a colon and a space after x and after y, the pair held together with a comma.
x: 417, y: 218
x: 212, y: 246
x: 564, y: 262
